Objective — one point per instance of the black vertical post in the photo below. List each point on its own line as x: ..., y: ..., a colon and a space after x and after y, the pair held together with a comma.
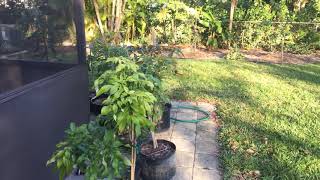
x: 78, y: 7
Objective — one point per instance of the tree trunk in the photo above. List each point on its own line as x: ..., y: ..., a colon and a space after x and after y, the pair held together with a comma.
x: 154, y: 140
x: 113, y: 14
x: 118, y: 16
x: 96, y: 9
x: 232, y: 8
x: 109, y: 15
x: 154, y: 37
x: 133, y: 152
x: 106, y: 11
x: 133, y: 31
x: 298, y: 5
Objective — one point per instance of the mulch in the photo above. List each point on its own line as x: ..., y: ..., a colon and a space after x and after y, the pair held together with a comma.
x: 253, y: 55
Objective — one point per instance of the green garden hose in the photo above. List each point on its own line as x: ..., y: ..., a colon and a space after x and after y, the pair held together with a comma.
x: 205, y: 118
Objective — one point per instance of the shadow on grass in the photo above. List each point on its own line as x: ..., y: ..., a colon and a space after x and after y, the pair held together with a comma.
x: 308, y: 73
x: 279, y: 146
x: 273, y: 135
x: 226, y: 89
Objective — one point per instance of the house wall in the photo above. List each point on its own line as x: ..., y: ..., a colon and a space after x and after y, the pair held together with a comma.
x: 33, y: 119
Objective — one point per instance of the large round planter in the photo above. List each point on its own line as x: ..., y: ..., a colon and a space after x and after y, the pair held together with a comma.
x: 76, y: 176
x: 160, y: 168
x: 165, y: 121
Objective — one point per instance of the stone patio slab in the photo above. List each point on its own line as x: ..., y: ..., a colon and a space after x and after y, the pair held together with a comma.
x: 183, y: 173
x: 206, y: 106
x: 206, y: 174
x: 184, y: 159
x: 206, y: 161
x: 206, y: 136
x: 185, y: 126
x: 196, y: 144
x: 187, y: 114
x: 207, y: 147
x: 184, y: 145
x: 181, y: 133
x: 207, y: 126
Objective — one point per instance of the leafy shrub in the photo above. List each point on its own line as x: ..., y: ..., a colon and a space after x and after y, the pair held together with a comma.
x: 155, y: 69
x: 155, y: 66
x: 234, y: 54
x: 100, y: 52
x: 129, y: 93
x: 93, y: 150
x: 130, y: 99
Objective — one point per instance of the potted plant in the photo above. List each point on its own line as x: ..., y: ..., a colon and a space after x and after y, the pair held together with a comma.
x: 159, y: 155
x: 91, y: 151
x: 130, y: 99
x: 159, y: 160
x: 155, y: 69
x: 162, y: 108
x: 99, y: 53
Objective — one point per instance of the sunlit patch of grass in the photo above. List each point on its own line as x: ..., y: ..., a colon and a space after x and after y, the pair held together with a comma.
x: 270, y: 114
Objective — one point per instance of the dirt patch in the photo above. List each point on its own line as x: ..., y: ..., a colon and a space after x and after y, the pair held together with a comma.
x: 254, y: 55
x: 277, y: 58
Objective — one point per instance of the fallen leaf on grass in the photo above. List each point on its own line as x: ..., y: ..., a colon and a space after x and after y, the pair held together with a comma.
x: 255, y: 174
x: 250, y: 151
x: 234, y: 145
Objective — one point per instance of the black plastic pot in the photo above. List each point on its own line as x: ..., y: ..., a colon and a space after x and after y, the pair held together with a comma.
x: 164, y: 123
x: 76, y: 176
x: 96, y: 103
x: 162, y: 168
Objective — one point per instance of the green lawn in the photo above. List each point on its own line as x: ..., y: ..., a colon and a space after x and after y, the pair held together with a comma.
x: 270, y: 114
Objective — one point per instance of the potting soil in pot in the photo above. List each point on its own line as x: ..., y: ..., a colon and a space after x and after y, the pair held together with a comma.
x: 159, y: 163
x: 163, y: 150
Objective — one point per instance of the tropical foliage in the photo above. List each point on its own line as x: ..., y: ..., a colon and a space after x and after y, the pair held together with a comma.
x: 130, y: 99
x: 262, y: 24
x: 91, y: 149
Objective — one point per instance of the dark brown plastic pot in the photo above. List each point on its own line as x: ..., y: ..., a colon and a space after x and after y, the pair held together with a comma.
x: 164, y: 123
x: 96, y: 103
x: 162, y: 168
x: 76, y: 176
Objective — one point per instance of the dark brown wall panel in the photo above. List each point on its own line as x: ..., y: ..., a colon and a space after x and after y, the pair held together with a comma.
x: 33, y: 119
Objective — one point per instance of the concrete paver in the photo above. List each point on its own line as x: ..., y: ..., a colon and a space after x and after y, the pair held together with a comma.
x: 185, y: 159
x: 196, y: 143
x: 184, y: 145
x: 207, y: 147
x: 206, y: 174
x: 181, y: 133
x: 183, y: 173
x: 206, y: 161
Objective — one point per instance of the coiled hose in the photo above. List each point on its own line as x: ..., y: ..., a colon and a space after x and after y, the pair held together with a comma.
x: 205, y: 118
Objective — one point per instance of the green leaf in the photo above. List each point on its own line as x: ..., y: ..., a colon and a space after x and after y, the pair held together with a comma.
x: 204, y: 23
x: 103, y: 90
x: 138, y: 130
x: 126, y: 161
x: 113, y: 89
x: 105, y: 110
x: 72, y: 126
x: 115, y: 108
